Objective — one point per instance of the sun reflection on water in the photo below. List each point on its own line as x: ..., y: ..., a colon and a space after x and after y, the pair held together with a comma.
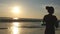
x: 14, y: 28
x: 15, y: 24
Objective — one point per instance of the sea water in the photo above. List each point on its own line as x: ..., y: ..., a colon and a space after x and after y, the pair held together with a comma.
x: 22, y: 28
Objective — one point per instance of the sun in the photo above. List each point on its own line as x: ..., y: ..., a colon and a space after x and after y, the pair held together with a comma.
x: 16, y: 9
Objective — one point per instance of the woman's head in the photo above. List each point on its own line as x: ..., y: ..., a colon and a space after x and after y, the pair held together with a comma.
x: 50, y: 9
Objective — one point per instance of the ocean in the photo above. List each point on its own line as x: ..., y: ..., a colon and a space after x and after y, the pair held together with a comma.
x: 23, y: 28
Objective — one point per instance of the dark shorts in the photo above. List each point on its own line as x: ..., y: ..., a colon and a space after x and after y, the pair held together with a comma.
x: 49, y: 31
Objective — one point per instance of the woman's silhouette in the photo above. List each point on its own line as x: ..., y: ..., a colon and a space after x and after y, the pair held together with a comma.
x: 50, y: 20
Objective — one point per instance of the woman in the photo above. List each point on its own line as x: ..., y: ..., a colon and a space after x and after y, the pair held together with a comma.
x: 50, y: 20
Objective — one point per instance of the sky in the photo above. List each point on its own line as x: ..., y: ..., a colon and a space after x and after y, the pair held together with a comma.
x: 28, y: 8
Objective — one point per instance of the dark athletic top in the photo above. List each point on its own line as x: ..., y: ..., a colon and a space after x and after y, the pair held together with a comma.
x: 50, y: 20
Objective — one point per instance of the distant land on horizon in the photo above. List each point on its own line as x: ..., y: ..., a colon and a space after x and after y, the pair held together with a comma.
x: 9, y: 19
